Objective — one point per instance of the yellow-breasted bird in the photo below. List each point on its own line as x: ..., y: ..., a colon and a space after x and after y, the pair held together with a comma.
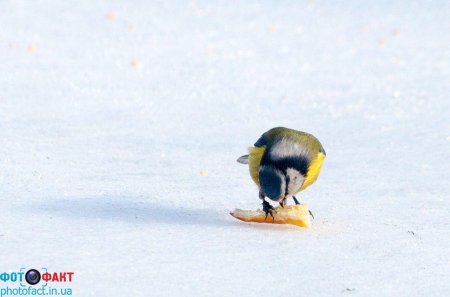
x: 282, y: 163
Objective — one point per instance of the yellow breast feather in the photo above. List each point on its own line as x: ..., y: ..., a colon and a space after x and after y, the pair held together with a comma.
x: 313, y: 171
x: 254, y: 160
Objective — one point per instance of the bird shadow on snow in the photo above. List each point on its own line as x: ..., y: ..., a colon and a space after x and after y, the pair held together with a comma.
x: 123, y: 209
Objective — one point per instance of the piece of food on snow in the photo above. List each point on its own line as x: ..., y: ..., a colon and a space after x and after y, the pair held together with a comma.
x: 290, y: 214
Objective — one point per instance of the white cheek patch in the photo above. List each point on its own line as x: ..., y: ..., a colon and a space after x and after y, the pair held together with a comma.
x: 296, y: 180
x: 286, y: 148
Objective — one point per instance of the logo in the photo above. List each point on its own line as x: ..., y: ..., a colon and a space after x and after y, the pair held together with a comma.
x: 36, y: 282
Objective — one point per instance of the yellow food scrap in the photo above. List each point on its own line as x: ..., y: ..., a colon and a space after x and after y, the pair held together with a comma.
x: 111, y: 17
x: 382, y: 41
x: 135, y: 64
x: 297, y: 215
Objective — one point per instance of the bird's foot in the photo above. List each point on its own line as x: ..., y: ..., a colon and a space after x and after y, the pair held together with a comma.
x: 283, y: 202
x: 268, y: 209
x: 311, y: 214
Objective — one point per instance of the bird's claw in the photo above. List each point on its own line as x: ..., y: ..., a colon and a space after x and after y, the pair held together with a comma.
x: 269, y: 210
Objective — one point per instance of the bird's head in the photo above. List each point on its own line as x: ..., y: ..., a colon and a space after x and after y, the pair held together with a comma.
x: 273, y: 182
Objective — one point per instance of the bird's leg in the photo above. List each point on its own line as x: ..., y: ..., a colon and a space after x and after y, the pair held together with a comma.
x: 267, y: 208
x: 283, y: 202
x: 261, y: 195
x: 297, y: 203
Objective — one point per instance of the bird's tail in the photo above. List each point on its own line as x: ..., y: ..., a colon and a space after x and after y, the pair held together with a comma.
x: 243, y: 159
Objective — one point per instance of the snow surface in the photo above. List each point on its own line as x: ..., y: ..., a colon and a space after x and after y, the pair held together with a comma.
x: 121, y: 122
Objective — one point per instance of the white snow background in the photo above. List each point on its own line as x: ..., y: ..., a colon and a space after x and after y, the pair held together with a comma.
x: 109, y: 110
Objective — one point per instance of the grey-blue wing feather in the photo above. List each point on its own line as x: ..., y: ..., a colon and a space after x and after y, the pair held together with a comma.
x: 243, y: 159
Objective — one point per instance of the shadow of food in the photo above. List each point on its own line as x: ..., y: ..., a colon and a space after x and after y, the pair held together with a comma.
x: 128, y: 210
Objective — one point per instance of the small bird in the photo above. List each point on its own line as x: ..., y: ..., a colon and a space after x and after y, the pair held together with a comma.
x: 282, y: 163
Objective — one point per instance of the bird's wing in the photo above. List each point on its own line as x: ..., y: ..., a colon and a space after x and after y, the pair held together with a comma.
x: 313, y: 170
x: 243, y: 159
x: 254, y: 161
